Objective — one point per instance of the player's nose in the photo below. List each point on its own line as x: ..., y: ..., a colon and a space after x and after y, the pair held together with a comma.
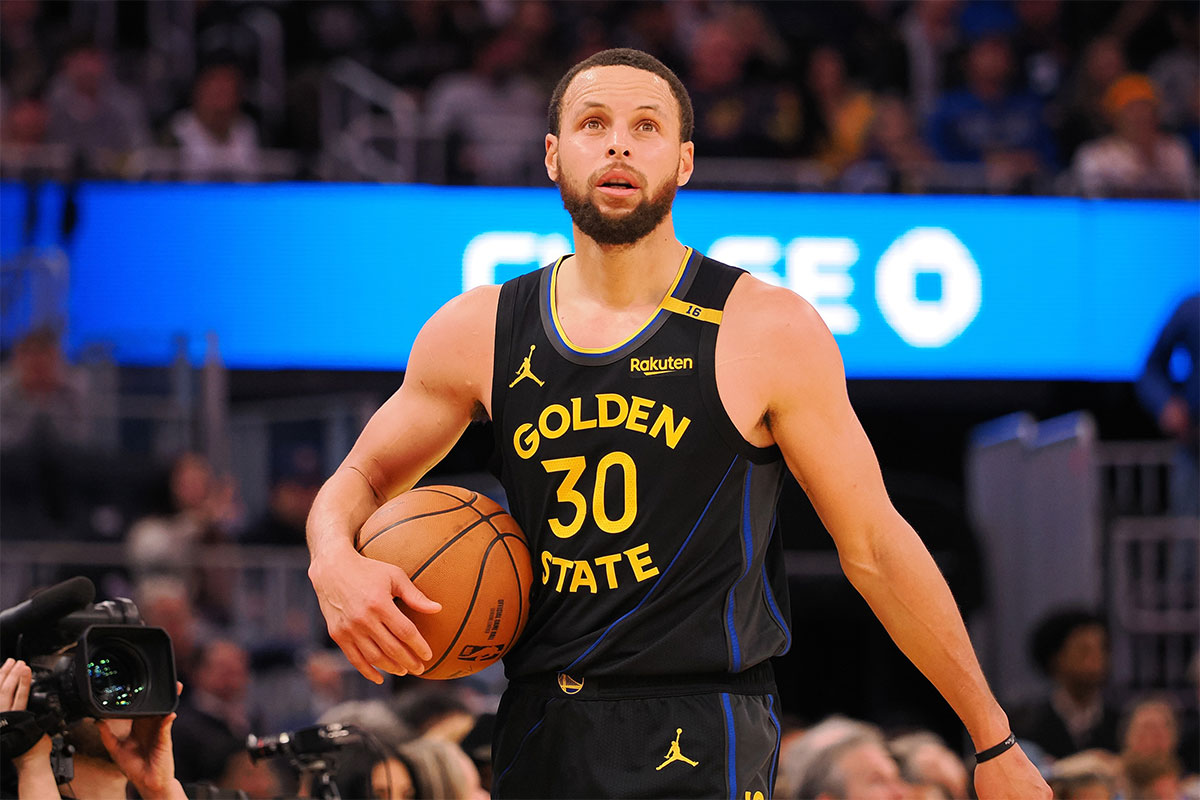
x: 618, y: 143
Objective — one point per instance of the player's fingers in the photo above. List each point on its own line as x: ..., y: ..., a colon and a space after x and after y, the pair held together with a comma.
x: 401, y: 635
x: 414, y: 598
x: 404, y: 652
x: 376, y: 657
x: 359, y: 662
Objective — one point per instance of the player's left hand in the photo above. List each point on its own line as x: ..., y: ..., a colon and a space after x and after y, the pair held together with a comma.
x: 1010, y: 775
x: 145, y: 754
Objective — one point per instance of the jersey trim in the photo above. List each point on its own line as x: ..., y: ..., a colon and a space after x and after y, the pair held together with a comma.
x: 778, y: 738
x: 677, y: 306
x: 521, y: 747
x: 607, y: 355
x: 730, y: 746
x: 747, y: 557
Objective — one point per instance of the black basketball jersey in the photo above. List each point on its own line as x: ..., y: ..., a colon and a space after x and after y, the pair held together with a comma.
x: 649, y: 516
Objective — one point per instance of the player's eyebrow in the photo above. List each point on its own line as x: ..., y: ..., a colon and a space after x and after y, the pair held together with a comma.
x: 590, y: 104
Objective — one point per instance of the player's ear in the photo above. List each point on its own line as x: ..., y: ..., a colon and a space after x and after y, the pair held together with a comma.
x: 552, y: 157
x: 687, y: 163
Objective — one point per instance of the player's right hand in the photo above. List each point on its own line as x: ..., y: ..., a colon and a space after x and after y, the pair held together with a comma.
x: 357, y: 596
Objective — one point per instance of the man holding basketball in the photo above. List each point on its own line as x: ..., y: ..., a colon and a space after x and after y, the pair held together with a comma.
x: 644, y: 465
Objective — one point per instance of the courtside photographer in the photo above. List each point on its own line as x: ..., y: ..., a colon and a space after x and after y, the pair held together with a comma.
x: 87, y: 698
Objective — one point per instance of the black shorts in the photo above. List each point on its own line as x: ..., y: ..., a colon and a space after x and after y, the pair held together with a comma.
x: 690, y: 736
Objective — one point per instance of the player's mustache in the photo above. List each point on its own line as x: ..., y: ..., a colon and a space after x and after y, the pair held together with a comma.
x: 594, y: 179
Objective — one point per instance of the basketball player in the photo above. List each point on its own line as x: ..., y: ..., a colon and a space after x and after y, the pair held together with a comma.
x: 646, y: 403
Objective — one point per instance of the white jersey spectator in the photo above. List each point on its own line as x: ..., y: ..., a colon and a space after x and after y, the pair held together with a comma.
x: 1137, y: 159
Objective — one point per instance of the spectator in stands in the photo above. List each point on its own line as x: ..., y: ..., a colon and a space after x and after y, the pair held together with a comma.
x: 291, y: 497
x: 1090, y: 775
x: 737, y: 115
x: 1150, y: 729
x: 1071, y: 646
x: 989, y: 124
x: 803, y: 746
x: 1138, y: 159
x: 93, y: 114
x: 925, y: 761
x: 1042, y: 55
x: 164, y: 602
x: 376, y: 717
x: 1081, y: 115
x: 930, y: 32
x: 1176, y: 72
x: 199, y: 510
x: 43, y: 401
x: 216, y: 140
x: 841, y: 111
x: 436, y: 711
x: 1169, y: 389
x: 489, y: 116
x: 259, y: 780
x: 23, y: 46
x: 428, y: 768
x: 23, y: 129
x: 895, y: 158
x: 1151, y: 777
x: 214, y: 718
x: 873, y: 46
x: 852, y: 765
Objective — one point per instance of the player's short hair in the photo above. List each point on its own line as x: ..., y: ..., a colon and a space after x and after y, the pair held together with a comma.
x: 625, y: 57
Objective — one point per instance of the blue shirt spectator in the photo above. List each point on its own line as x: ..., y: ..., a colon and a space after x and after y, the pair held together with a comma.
x: 966, y: 128
x: 987, y: 123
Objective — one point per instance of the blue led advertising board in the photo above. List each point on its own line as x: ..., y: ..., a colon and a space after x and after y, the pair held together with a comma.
x: 342, y: 276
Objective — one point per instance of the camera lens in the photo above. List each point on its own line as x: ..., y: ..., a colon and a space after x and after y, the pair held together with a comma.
x: 118, y: 677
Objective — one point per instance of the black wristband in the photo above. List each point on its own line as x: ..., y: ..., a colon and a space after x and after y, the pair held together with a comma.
x: 992, y: 752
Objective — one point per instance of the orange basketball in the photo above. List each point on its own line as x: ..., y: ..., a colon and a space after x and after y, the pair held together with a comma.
x: 462, y: 550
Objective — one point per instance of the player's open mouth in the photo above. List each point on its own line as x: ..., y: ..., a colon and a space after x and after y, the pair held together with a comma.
x: 617, y: 183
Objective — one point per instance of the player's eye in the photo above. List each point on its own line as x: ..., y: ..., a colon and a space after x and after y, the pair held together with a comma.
x: 648, y: 126
x: 592, y: 124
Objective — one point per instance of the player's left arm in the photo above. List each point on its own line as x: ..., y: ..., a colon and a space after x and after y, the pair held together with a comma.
x: 808, y: 414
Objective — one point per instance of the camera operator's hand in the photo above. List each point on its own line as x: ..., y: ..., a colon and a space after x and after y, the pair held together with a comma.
x: 145, y: 754
x: 35, y: 778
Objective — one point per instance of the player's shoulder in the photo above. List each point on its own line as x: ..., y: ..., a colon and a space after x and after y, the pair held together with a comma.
x: 763, y: 309
x: 460, y: 334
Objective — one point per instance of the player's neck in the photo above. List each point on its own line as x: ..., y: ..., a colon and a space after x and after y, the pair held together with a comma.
x: 626, y: 275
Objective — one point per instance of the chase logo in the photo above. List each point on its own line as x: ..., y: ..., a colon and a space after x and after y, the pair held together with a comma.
x: 660, y: 365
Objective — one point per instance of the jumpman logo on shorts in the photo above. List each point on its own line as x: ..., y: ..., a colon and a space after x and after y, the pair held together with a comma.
x: 674, y: 755
x: 526, y: 371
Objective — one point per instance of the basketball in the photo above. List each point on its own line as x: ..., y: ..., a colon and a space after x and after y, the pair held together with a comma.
x: 462, y: 550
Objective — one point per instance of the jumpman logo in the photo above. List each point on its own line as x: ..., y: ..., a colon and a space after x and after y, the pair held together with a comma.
x: 674, y: 755
x: 526, y: 371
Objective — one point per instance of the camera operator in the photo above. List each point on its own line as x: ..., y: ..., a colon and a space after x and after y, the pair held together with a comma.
x: 35, y: 778
x: 110, y: 754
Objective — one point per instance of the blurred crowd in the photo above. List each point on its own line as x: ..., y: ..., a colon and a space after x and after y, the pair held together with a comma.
x: 1009, y: 96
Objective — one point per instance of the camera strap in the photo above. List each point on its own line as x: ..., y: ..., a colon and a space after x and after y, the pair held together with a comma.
x: 19, y: 731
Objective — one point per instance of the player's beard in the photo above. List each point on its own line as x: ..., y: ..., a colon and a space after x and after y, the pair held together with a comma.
x: 616, y: 229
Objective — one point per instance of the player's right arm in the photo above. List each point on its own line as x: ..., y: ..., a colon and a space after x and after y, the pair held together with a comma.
x: 447, y: 381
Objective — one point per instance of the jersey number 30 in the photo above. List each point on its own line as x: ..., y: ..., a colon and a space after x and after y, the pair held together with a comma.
x: 574, y: 467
